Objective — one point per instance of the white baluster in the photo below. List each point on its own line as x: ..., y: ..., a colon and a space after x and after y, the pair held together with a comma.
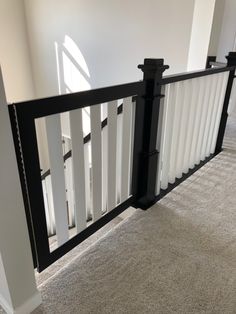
x: 219, y: 111
x: 161, y: 134
x: 54, y: 137
x: 176, y: 131
x: 126, y: 147
x: 170, y: 103
x: 96, y: 152
x: 185, y: 110
x: 193, y: 102
x: 212, y: 92
x: 202, y: 117
x: 70, y: 191
x: 219, y: 79
x: 112, y: 151
x: 78, y: 172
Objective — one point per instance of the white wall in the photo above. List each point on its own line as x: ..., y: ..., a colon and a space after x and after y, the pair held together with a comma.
x: 14, y: 51
x: 216, y: 27
x: 106, y: 40
x: 228, y: 31
x: 18, y: 292
x: 201, y: 30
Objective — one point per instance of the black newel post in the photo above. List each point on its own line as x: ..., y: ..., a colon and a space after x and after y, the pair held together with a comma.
x: 231, y: 61
x: 146, y: 124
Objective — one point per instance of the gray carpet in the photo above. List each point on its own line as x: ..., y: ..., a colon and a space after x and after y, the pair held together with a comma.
x: 177, y: 257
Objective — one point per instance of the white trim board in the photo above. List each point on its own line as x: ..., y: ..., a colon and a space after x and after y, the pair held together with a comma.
x: 25, y: 308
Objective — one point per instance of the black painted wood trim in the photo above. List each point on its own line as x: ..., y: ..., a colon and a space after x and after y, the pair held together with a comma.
x: 58, y: 104
x: 184, y: 177
x: 190, y: 75
x: 73, y: 242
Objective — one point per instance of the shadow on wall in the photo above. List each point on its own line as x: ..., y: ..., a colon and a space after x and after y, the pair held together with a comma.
x: 72, y: 70
x: 72, y: 76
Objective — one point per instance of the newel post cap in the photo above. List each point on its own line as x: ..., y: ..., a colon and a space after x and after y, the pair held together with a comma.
x: 152, y: 66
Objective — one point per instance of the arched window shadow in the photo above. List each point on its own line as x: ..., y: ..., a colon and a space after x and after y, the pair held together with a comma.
x: 73, y: 76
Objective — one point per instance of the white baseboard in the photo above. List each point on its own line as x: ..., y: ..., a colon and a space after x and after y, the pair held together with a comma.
x: 25, y: 308
x: 5, y: 305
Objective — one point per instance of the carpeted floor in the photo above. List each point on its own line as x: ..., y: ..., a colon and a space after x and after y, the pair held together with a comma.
x: 177, y: 257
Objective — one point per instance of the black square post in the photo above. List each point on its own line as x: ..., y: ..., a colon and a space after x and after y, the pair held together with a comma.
x: 146, y: 126
x: 231, y: 61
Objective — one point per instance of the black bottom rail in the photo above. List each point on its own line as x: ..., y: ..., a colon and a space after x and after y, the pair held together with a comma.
x: 185, y: 176
x: 83, y: 235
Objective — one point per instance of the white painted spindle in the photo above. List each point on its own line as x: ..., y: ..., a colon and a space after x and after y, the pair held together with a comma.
x: 54, y: 138
x: 132, y: 144
x: 47, y: 213
x: 219, y: 111
x: 219, y: 83
x: 211, y: 101
x: 203, y: 117
x: 104, y: 168
x: 87, y: 168
x: 77, y: 141
x: 185, y: 109
x: 112, y: 151
x: 170, y: 98
x: 176, y: 131
x: 48, y: 188
x: 70, y: 191
x: 119, y: 158
x: 199, y: 104
x: 161, y: 134
x: 96, y: 152
x: 193, y: 101
x: 126, y: 147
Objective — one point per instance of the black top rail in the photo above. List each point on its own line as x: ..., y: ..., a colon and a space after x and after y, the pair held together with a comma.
x: 190, y: 75
x: 39, y: 108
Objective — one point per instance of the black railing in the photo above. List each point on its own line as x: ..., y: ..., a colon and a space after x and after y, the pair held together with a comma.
x: 24, y: 130
x: 145, y: 155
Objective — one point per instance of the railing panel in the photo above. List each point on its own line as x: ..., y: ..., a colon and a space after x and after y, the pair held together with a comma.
x: 96, y: 152
x: 78, y: 174
x: 188, y: 126
x: 54, y: 139
x: 91, y: 183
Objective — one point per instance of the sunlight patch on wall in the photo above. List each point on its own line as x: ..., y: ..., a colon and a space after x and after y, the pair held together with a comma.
x: 73, y: 76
